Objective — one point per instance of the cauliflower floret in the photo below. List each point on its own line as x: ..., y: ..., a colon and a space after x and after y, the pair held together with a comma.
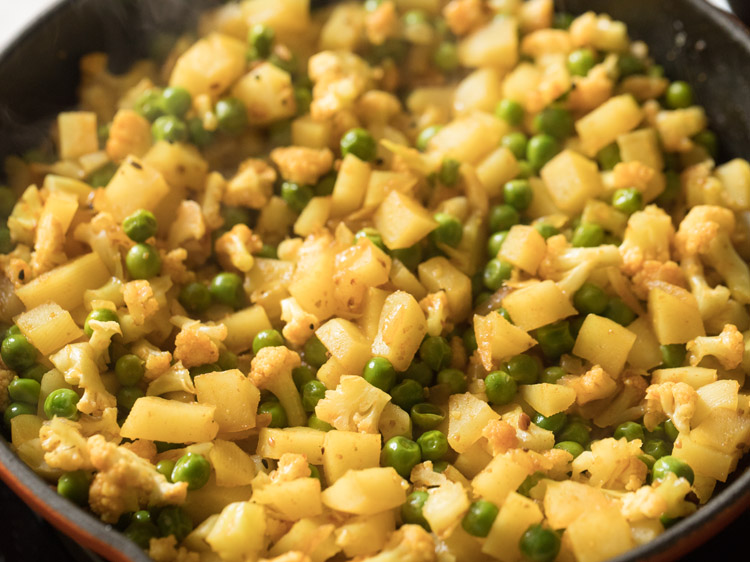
x: 652, y: 270
x: 424, y: 475
x: 101, y: 336
x: 126, y: 482
x: 677, y: 127
x: 613, y: 464
x: 355, y: 405
x: 139, y: 298
x: 595, y: 384
x: 48, y: 249
x: 411, y: 543
x: 251, y: 186
x: 291, y: 467
x: 435, y: 307
x: 155, y: 361
x: 196, y: 343
x: 674, y: 490
x: 78, y: 365
x: 106, y: 237
x: 143, y: 448
x: 5, y: 377
x: 500, y: 435
x: 340, y: 77
x: 707, y: 231
x: 592, y: 90
x: 188, y: 230
x: 63, y: 445
x: 463, y: 15
x: 176, y: 379
x: 711, y: 300
x: 632, y: 174
x: 105, y: 425
x: 129, y: 134
x: 235, y: 248
x: 647, y: 237
x: 300, y: 324
x: 173, y: 266
x: 644, y: 503
x: 294, y: 556
x: 728, y: 347
x: 271, y: 369
x: 165, y: 550
x: 302, y: 165
x: 381, y: 23
x: 669, y: 399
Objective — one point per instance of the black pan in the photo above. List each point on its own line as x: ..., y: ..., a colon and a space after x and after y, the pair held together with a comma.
x: 39, y: 75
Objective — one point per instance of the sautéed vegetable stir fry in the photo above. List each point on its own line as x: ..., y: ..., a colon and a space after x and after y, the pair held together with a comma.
x: 401, y: 280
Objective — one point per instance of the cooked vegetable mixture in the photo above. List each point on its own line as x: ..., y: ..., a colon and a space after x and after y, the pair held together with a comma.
x: 401, y: 281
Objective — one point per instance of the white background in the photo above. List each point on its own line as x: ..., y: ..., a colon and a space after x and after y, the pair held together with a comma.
x: 16, y: 14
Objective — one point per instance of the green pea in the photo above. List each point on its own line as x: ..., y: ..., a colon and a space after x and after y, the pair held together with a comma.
x: 24, y: 390
x: 553, y: 423
x: 141, y: 534
x: 581, y: 61
x: 522, y: 368
x: 425, y: 136
x: 402, y: 454
x: 267, y: 338
x: 449, y: 230
x: 510, y: 111
x: 261, y: 38
x: 618, y: 311
x: 193, y: 469
x: 296, y: 196
x: 199, y: 135
x: 226, y: 288
x: 313, y: 392
x: 231, y: 116
x: 140, y: 226
x: 267, y: 252
x: 380, y: 373
x: 518, y: 194
x: 74, y: 486
x: 436, y: 352
x: 562, y: 20
x: 176, y: 101
x: 609, y: 156
x: 657, y: 448
x: 235, y: 215
x: 672, y: 190
x: 590, y: 299
x: 316, y: 423
x: 150, y: 104
x: 667, y: 464
x: 426, y: 416
x: 540, y: 150
x: 528, y: 484
x: 538, y: 544
x: 419, y: 371
x: 671, y: 431
x: 433, y: 444
x: 502, y: 217
x: 61, y: 403
x: 17, y: 352
x: 360, y: 143
x: 629, y: 430
x: 516, y: 143
x: 288, y: 62
x: 129, y: 369
x: 127, y: 396
x: 411, y: 510
x: 195, y: 297
x: 6, y: 243
x: 628, y: 200
x: 480, y: 517
x: 35, y: 372
x: 314, y: 352
x: 575, y: 431
x: 406, y: 394
x: 554, y: 121
x: 673, y: 355
x: 470, y: 340
x: 448, y: 173
x: 440, y: 466
x: 482, y: 298
x: 571, y: 447
x: 546, y: 229
x: 278, y: 414
x: 555, y: 339
x: 7, y: 201
x: 302, y: 375
x: 629, y: 64
x: 494, y: 244
x: 165, y: 468
x: 709, y: 141
x: 496, y: 272
x: 143, y: 261
x: 454, y: 379
x: 302, y: 99
x: 17, y: 409
x: 173, y: 520
x: 411, y: 257
x: 314, y: 472
x: 372, y: 235
x: 525, y: 170
x: 445, y: 56
x: 587, y: 235
x: 500, y: 388
x: 551, y: 375
x: 656, y: 71
x: 679, y: 95
x: 100, y: 315
x: 170, y: 128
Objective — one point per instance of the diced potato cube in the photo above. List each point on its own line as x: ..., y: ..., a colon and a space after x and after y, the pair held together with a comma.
x: 293, y: 499
x: 239, y: 531
x: 604, y: 342
x: 492, y: 45
x: 210, y: 66
x: 641, y: 146
x: 677, y: 127
x: 68, y: 186
x: 181, y: 164
x: 348, y: 450
x: 498, y: 479
x: 542, y: 204
x: 473, y: 460
x: 402, y: 221
x: 497, y: 168
x: 66, y: 284
x: 366, y: 492
x: 350, y: 187
x: 498, y: 339
x: 479, y: 91
x: 694, y: 376
x: 234, y: 396
x: 313, y: 217
x: 645, y: 353
x: 565, y: 501
x: 469, y: 139
x: 599, y: 534
x: 232, y: 465
x: 382, y: 182
x: 48, y: 327
x: 719, y: 394
x: 61, y: 205
x: 312, y: 535
x: 735, y: 177
x: 267, y: 93
x: 538, y: 305
x: 23, y: 428
x: 516, y: 515
x: 404, y: 280
x: 704, y: 459
x: 401, y: 328
x: 310, y: 133
x: 548, y: 399
x: 445, y: 507
x: 438, y: 274
x: 286, y: 17
x: 675, y: 315
x: 571, y: 180
x: 467, y: 416
x: 134, y: 186
x: 157, y: 419
x: 312, y: 284
x: 330, y: 372
x: 242, y: 327
x: 722, y: 429
x: 372, y: 307
x: 77, y: 134
x: 616, y: 116
x: 346, y: 342
x: 272, y: 443
x: 394, y: 421
x: 524, y: 247
x: 365, y: 535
